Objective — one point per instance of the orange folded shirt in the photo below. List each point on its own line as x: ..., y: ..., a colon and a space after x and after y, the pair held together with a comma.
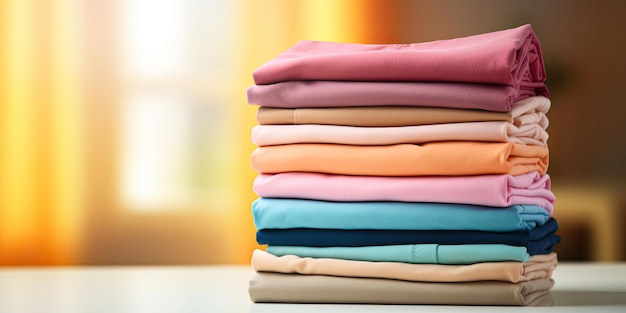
x: 437, y: 158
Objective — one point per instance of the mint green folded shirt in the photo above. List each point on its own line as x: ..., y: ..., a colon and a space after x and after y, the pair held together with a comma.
x: 421, y: 253
x: 299, y: 213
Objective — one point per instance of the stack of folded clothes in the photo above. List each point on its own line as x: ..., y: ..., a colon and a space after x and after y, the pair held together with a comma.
x: 404, y: 174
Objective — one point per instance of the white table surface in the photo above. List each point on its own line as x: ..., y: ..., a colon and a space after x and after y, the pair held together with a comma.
x: 599, y: 287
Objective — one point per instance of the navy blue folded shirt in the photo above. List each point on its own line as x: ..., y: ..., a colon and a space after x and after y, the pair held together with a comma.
x: 540, y: 240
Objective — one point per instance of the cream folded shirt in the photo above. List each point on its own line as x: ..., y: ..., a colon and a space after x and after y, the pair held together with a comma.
x: 539, y: 266
x: 268, y: 135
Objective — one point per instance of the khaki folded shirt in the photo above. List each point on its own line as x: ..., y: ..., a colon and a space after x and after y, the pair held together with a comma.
x: 296, y: 288
x: 529, y: 111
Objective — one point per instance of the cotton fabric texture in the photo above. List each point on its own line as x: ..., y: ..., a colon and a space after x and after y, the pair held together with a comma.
x: 404, y: 173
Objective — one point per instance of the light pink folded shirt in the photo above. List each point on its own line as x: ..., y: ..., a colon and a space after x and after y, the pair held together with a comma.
x: 489, y: 190
x: 311, y: 94
x: 269, y: 135
x: 508, y: 57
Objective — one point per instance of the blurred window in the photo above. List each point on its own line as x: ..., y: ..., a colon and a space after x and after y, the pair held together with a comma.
x: 176, y: 62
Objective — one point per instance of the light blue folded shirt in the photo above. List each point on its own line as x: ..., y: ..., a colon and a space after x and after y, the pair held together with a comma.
x: 420, y: 253
x: 277, y: 213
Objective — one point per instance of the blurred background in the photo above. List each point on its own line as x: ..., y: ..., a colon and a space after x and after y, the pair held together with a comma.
x: 125, y: 131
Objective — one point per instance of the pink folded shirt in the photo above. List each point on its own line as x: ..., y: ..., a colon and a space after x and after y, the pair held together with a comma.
x: 489, y: 190
x: 508, y: 57
x: 311, y: 94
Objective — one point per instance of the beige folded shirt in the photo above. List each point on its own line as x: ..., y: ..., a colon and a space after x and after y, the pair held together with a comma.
x: 530, y: 111
x: 296, y: 288
x: 539, y: 266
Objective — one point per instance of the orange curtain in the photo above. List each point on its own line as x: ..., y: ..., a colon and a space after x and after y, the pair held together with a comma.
x: 39, y: 135
x: 42, y: 161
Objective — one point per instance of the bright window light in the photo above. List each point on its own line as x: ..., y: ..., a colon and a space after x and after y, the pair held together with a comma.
x: 177, y: 67
x: 154, y: 38
x: 155, y: 129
